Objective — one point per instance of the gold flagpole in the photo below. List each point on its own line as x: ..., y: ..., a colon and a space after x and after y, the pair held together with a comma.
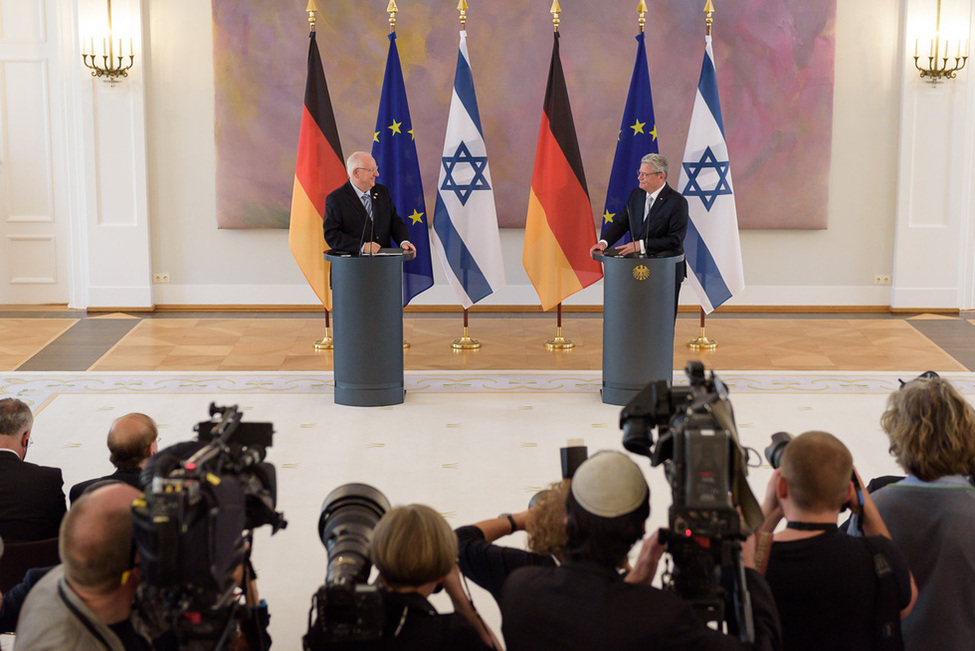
x: 702, y: 342
x: 392, y: 10
x: 464, y: 342
x: 559, y: 342
x: 326, y: 342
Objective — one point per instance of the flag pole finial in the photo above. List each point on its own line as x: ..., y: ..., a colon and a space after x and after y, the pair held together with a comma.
x: 462, y: 8
x: 312, y: 9
x: 555, y: 11
x: 708, y: 10
x: 391, y: 9
x: 641, y: 11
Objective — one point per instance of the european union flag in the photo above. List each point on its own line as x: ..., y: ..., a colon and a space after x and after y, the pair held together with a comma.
x: 637, y: 138
x: 394, y: 149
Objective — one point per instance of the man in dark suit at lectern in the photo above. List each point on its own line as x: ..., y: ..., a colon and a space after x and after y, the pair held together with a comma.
x: 655, y: 216
x: 360, y: 216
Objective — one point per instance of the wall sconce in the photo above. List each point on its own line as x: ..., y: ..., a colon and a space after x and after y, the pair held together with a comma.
x: 938, y: 67
x: 111, y: 67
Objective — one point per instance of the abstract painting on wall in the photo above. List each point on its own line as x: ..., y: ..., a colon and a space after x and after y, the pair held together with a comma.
x: 774, y: 62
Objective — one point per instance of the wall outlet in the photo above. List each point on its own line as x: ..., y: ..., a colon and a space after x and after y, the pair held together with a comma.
x: 160, y: 278
x: 879, y: 279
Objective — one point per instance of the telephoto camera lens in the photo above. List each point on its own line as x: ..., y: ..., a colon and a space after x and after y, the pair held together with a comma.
x: 349, y: 514
x: 773, y: 453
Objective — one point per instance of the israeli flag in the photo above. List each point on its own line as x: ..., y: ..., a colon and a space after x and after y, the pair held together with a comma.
x: 711, y: 245
x: 465, y: 220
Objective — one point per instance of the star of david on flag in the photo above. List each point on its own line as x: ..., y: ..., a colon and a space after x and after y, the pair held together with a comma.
x: 465, y: 220
x: 711, y: 245
x: 472, y: 176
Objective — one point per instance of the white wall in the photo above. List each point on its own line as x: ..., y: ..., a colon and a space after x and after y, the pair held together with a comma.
x: 831, y: 267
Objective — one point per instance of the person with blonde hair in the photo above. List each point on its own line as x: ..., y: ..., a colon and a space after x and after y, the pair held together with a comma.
x: 415, y: 552
x: 931, y: 428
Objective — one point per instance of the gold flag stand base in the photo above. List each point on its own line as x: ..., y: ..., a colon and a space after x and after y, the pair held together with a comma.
x: 406, y: 344
x: 702, y: 342
x: 560, y: 342
x: 465, y: 342
x: 325, y: 343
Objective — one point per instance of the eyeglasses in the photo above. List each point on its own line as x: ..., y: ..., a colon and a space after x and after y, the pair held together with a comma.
x: 368, y: 169
x: 643, y: 175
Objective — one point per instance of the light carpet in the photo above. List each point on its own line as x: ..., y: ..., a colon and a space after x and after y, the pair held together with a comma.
x: 472, y: 445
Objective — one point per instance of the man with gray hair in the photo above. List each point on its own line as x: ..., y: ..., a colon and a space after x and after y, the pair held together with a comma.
x: 587, y: 604
x: 86, y: 602
x: 655, y: 216
x: 31, y: 497
x: 132, y: 439
x: 360, y: 216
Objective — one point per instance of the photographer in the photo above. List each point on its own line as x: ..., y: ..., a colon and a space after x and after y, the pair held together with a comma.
x: 832, y: 590
x: 415, y: 552
x: 932, y: 435
x: 488, y: 565
x: 586, y: 604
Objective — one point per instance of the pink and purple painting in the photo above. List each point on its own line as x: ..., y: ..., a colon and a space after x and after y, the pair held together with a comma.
x: 774, y: 63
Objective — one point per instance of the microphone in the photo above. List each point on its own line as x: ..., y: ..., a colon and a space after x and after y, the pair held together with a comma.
x: 372, y: 220
x: 362, y: 237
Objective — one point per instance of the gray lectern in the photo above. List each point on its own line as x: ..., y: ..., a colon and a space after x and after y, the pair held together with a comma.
x: 367, y: 298
x: 638, y: 323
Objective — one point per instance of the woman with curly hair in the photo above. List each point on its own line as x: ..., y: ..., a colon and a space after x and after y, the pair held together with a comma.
x: 488, y: 564
x: 932, y: 435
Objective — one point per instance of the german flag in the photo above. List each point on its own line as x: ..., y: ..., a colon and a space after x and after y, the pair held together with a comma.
x: 319, y: 170
x: 560, y: 228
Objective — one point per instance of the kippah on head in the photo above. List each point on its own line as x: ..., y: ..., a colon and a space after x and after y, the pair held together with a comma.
x: 609, y: 484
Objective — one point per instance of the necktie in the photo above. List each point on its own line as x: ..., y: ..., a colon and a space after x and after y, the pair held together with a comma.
x: 367, y: 204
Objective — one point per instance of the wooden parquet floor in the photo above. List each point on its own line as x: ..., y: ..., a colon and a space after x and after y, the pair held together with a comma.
x: 73, y: 341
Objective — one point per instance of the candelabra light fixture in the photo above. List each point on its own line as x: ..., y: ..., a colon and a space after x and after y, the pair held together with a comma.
x: 939, y: 55
x: 113, y: 64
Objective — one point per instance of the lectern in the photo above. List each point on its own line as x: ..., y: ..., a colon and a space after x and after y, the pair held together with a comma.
x: 367, y: 299
x: 638, y: 323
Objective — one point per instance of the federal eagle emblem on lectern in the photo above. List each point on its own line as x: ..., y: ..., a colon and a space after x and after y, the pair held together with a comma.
x: 640, y: 272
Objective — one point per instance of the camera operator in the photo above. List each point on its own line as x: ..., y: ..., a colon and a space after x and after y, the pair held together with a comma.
x: 86, y: 602
x: 488, y: 564
x: 932, y: 435
x: 832, y: 590
x: 415, y: 551
x: 586, y: 604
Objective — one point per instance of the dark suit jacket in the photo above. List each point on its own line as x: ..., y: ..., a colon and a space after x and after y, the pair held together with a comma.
x: 665, y: 226
x: 583, y: 606
x: 346, y: 218
x: 31, y: 500
x: 124, y: 476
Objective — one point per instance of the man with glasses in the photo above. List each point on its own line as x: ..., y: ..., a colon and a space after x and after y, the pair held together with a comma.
x: 360, y: 216
x: 655, y: 216
x: 31, y: 497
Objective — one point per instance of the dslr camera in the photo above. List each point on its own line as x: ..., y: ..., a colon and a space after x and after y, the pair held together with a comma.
x: 347, y: 608
x: 697, y: 443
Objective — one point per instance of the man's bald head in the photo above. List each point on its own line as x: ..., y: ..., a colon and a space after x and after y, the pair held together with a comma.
x: 96, y: 539
x: 130, y: 441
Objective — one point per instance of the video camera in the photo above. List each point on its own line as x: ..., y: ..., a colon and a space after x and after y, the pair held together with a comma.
x: 194, y: 526
x: 706, y: 466
x: 347, y: 608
